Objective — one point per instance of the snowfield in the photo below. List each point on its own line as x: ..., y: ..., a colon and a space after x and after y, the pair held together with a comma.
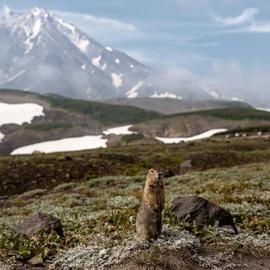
x: 73, y: 144
x: 93, y: 142
x: 63, y: 145
x: 204, y: 135
x: 123, y: 130
x: 18, y: 114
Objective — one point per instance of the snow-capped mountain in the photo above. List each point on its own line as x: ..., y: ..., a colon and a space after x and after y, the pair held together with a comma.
x: 41, y: 52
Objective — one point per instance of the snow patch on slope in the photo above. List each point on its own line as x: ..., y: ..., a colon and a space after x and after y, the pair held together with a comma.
x: 123, y: 130
x: 18, y: 113
x: 237, y: 99
x: 165, y: 95
x: 96, y: 61
x: 81, y: 42
x: 263, y: 109
x: 65, y: 24
x: 35, y: 32
x: 63, y: 145
x: 132, y: 93
x: 12, y: 78
x: 117, y: 80
x: 213, y: 94
x: 36, y: 28
x: 104, y: 67
x: 204, y: 135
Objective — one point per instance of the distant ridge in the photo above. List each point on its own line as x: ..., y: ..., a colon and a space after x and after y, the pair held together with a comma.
x: 173, y: 106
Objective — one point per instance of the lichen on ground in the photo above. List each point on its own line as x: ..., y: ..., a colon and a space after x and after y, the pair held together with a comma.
x: 100, y: 256
x: 99, y: 217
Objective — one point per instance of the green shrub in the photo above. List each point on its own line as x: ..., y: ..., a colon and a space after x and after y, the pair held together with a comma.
x: 132, y: 137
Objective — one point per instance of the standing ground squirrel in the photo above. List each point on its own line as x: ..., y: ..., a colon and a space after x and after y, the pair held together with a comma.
x: 149, y: 217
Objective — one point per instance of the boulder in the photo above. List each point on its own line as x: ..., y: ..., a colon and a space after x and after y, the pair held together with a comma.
x: 39, y: 222
x: 201, y: 211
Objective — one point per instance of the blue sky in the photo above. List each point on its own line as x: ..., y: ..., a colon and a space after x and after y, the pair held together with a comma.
x: 223, y: 42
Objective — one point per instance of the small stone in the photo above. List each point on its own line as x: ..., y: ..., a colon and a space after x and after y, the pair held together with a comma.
x: 37, y: 260
x: 131, y: 219
x: 37, y: 223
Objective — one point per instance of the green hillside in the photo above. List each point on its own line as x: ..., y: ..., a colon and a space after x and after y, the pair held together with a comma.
x: 65, y: 117
x: 104, y: 113
x: 192, y: 123
x: 173, y: 106
x: 232, y: 114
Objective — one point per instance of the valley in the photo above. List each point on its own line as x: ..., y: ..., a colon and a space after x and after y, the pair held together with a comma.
x: 62, y: 118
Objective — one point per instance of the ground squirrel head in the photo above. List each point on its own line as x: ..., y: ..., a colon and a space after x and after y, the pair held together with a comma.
x: 154, y: 176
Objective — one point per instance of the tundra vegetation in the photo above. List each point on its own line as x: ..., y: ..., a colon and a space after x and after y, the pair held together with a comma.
x: 96, y: 195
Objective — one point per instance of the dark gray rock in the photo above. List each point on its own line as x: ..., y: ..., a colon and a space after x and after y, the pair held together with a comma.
x: 39, y: 222
x: 201, y: 211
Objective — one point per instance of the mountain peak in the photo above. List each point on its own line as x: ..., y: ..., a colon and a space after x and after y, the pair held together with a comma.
x: 39, y: 12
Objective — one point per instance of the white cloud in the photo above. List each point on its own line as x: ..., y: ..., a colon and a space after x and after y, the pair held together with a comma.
x: 140, y: 54
x: 104, y: 29
x: 246, y: 22
x: 255, y: 27
x: 105, y: 22
x: 5, y: 12
x: 233, y: 79
x: 247, y: 16
x: 259, y: 27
